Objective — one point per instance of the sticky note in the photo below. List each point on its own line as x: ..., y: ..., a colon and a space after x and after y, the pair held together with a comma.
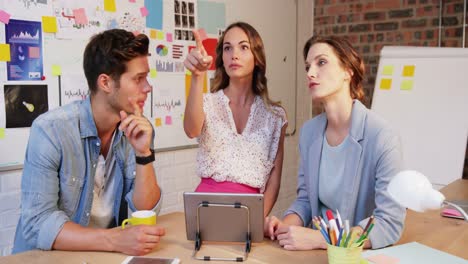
x: 202, y: 34
x: 153, y: 33
x: 144, y: 11
x: 169, y: 37
x: 80, y: 16
x: 49, y: 24
x: 383, y: 259
x: 132, y: 1
x: 5, y: 52
x: 168, y: 120
x: 2, y: 133
x: 408, y: 70
x: 160, y: 35
x: 109, y: 5
x: 385, y: 84
x: 153, y: 73
x: 406, y: 85
x: 387, y: 70
x: 157, y: 122
x: 34, y: 52
x: 56, y: 70
x: 155, y: 16
x: 4, y: 17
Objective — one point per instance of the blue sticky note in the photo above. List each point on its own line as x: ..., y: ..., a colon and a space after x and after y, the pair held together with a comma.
x: 211, y: 16
x: 155, y: 14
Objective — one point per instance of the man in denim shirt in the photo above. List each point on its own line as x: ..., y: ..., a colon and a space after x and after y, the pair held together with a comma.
x: 89, y: 161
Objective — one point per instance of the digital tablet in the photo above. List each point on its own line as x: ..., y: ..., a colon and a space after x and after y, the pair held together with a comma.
x: 150, y: 260
x: 227, y: 224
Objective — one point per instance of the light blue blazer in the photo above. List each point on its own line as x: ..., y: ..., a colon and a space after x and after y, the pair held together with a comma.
x: 376, y: 158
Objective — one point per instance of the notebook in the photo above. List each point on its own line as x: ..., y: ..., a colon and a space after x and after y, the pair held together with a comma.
x: 415, y: 252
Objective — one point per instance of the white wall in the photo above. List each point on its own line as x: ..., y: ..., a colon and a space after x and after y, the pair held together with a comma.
x: 176, y: 169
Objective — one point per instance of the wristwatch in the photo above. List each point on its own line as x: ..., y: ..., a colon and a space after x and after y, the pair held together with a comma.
x: 145, y: 160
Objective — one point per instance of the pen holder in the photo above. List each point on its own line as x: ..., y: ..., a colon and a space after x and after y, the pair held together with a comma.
x: 344, y: 255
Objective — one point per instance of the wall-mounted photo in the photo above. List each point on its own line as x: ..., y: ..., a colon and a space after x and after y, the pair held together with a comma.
x: 184, y: 7
x: 176, y: 6
x: 177, y: 20
x: 23, y: 103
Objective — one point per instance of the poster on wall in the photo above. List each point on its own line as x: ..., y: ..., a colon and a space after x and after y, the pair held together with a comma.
x: 25, y: 39
x: 184, y: 20
x: 23, y: 103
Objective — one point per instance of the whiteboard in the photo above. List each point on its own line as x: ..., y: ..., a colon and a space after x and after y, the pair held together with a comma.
x: 164, y: 108
x: 428, y: 107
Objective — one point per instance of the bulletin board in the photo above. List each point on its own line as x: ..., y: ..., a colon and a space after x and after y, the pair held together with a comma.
x: 42, y: 42
x: 423, y: 93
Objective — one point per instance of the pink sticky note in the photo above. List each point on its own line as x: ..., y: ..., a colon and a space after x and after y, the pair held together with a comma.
x: 202, y: 33
x: 132, y: 1
x: 168, y: 120
x: 383, y: 259
x: 34, y: 52
x: 4, y: 17
x: 144, y: 11
x: 80, y: 16
x: 169, y: 37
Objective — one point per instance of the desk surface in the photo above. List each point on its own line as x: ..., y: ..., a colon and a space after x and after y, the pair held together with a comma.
x: 449, y: 235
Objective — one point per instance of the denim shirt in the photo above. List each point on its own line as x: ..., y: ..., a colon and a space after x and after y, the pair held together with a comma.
x: 58, y: 175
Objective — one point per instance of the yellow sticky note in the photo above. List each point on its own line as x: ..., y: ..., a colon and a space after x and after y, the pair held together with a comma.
x: 153, y: 73
x: 157, y: 122
x: 152, y: 33
x: 385, y: 84
x: 5, y: 52
x: 49, y: 24
x: 56, y: 70
x: 2, y: 133
x: 160, y: 35
x: 387, y: 70
x: 109, y: 5
x: 406, y: 85
x: 408, y: 70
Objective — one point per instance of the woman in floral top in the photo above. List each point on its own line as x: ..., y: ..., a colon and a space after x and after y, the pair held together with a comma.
x: 239, y: 128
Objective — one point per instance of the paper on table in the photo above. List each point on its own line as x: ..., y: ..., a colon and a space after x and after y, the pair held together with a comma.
x: 415, y: 252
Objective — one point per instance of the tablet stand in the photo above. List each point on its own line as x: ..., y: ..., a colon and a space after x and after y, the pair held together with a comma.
x: 198, y: 240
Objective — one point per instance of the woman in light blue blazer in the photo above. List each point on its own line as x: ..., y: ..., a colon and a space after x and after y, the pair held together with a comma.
x: 348, y: 155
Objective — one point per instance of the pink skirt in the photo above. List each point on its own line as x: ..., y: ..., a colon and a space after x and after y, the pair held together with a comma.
x: 210, y: 185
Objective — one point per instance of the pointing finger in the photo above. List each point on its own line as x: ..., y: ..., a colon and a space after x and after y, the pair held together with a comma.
x: 199, y: 42
x: 136, y: 107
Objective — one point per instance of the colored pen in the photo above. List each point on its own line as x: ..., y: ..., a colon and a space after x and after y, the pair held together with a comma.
x: 348, y: 238
x: 339, y: 222
x: 332, y: 235
x: 332, y: 221
x: 339, y: 237
x: 317, y: 225
x: 347, y: 227
x: 366, y: 229
x: 366, y: 234
x: 322, y: 222
x: 343, y: 239
x: 371, y: 219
